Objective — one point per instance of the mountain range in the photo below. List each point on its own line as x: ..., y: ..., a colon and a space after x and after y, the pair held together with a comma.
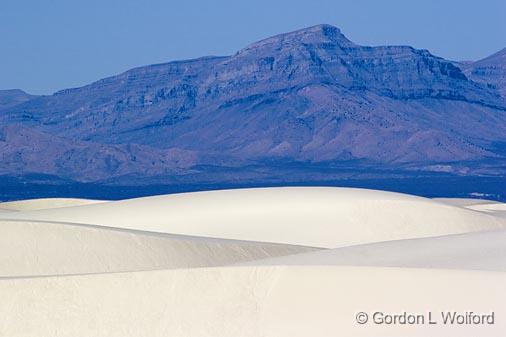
x: 308, y: 105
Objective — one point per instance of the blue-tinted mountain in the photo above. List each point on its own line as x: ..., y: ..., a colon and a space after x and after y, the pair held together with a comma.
x: 12, y: 97
x: 309, y: 99
x: 490, y: 71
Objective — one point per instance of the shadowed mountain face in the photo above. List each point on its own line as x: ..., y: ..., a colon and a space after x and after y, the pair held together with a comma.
x: 310, y: 97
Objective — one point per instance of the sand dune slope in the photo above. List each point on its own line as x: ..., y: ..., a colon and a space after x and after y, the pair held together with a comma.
x: 38, y: 248
x: 239, y: 263
x: 497, y: 209
x: 276, y: 301
x: 38, y: 204
x: 318, y: 217
x: 465, y: 202
x: 470, y: 251
x: 3, y: 211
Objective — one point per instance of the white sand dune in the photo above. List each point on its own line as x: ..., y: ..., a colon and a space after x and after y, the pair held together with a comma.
x: 488, y: 206
x: 40, y: 248
x: 470, y: 251
x: 277, y: 301
x: 240, y: 263
x: 317, y: 217
x: 496, y: 209
x: 3, y: 211
x: 464, y: 202
x: 38, y: 204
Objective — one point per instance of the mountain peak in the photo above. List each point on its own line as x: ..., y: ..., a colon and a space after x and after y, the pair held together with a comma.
x: 11, y: 97
x: 13, y: 92
x: 490, y: 70
x: 322, y: 33
x: 308, y: 97
x: 323, y: 28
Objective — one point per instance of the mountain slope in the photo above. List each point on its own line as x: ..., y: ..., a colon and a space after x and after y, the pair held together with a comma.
x: 12, y: 97
x: 309, y: 96
x: 491, y: 70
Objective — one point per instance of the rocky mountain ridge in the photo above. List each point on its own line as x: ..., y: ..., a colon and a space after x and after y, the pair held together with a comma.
x: 310, y: 97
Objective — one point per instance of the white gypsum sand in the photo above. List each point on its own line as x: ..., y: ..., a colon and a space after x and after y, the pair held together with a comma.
x: 276, y: 301
x: 3, y: 211
x: 43, y: 248
x: 46, y: 203
x: 465, y: 202
x: 249, y: 263
x: 484, y: 250
x: 317, y: 217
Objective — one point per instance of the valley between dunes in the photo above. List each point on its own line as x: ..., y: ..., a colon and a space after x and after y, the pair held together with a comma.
x: 294, y: 261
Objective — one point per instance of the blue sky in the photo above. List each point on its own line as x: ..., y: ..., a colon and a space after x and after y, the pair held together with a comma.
x: 51, y: 45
